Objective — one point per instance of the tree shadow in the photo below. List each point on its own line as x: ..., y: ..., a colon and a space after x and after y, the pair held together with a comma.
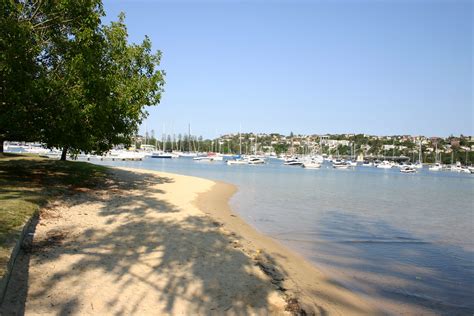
x: 145, y: 258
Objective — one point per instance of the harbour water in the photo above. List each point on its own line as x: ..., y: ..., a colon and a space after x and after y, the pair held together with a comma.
x: 405, y: 241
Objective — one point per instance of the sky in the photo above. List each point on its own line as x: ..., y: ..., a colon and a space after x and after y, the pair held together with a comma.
x: 309, y: 67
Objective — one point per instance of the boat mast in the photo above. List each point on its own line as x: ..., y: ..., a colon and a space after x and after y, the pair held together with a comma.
x: 163, y: 138
x: 189, y: 137
x: 240, y: 140
x: 420, y: 156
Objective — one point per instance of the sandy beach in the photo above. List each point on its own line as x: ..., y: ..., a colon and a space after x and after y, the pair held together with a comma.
x: 159, y: 243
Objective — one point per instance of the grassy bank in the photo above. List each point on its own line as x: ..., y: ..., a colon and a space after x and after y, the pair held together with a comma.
x: 29, y: 182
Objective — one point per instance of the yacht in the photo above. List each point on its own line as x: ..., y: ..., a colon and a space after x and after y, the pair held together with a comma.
x: 408, y: 169
x: 340, y: 164
x: 436, y: 167
x: 161, y: 154
x: 311, y: 165
x: 293, y: 162
x: 418, y: 165
x: 352, y: 163
x: 237, y: 162
x: 384, y: 165
x: 255, y: 161
x: 367, y: 163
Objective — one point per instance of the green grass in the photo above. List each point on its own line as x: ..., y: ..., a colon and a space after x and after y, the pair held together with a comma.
x: 29, y: 182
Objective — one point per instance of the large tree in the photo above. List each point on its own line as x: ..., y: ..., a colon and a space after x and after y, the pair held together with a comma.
x: 20, y: 74
x: 94, y: 85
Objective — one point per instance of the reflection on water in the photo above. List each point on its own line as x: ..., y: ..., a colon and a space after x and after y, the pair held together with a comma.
x: 399, y: 238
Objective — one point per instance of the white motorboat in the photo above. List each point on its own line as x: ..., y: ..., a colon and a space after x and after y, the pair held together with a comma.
x: 384, y: 165
x: 418, y: 165
x: 352, y: 163
x: 340, y: 164
x: 237, y: 162
x: 203, y: 158
x: 436, y: 167
x: 408, y: 169
x: 367, y: 163
x: 293, y: 162
x: 311, y: 165
x: 164, y: 155
x: 255, y: 161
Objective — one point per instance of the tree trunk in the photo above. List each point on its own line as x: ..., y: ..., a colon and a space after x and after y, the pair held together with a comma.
x: 1, y: 145
x: 64, y: 153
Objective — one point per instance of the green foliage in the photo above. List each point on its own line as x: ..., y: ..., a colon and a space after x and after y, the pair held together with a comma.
x: 89, y: 87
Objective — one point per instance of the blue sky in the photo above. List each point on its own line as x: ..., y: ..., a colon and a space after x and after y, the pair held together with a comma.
x: 376, y: 67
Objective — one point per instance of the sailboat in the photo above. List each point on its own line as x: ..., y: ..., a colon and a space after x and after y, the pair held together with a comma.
x: 419, y: 163
x: 437, y: 166
x: 239, y: 161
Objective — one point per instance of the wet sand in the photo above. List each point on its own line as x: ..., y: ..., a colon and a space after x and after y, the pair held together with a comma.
x: 159, y: 243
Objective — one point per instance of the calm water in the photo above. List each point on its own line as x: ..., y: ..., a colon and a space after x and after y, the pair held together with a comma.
x: 398, y: 238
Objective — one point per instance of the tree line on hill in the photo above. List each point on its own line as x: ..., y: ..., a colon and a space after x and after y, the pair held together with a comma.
x: 69, y: 81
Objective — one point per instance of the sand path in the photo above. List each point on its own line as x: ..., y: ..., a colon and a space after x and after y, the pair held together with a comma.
x: 156, y: 243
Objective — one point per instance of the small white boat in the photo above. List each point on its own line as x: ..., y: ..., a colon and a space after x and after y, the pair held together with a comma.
x: 161, y: 154
x: 293, y: 162
x: 203, y: 158
x: 384, y: 165
x: 340, y: 164
x: 311, y: 165
x: 408, y: 169
x: 352, y: 163
x: 418, y: 165
x: 436, y: 167
x: 237, y: 162
x: 367, y: 163
x: 255, y: 161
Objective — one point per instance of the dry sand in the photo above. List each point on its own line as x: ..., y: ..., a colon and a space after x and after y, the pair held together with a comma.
x: 159, y: 243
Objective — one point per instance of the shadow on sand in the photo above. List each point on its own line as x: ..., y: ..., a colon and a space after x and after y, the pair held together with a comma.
x: 207, y: 269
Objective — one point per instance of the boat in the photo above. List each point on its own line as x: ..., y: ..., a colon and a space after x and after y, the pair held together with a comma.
x: 418, y: 165
x: 408, y: 169
x: 311, y: 165
x: 293, y: 162
x: 209, y: 157
x: 255, y: 161
x: 237, y: 162
x: 161, y: 154
x: 436, y: 167
x: 367, y: 163
x: 340, y: 164
x: 384, y: 165
x: 460, y: 168
x: 352, y: 163
x: 203, y: 158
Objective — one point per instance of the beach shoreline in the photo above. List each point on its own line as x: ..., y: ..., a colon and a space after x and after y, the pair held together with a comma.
x: 156, y: 241
x: 298, y: 278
